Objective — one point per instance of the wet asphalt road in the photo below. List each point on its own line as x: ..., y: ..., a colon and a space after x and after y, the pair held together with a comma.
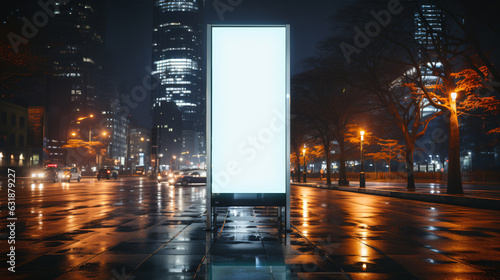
x: 137, y: 228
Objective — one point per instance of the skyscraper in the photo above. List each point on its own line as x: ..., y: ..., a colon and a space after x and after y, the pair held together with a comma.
x: 74, y: 46
x: 177, y: 49
x: 429, y: 21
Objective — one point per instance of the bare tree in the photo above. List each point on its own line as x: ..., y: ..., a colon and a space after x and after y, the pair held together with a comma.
x: 329, y: 105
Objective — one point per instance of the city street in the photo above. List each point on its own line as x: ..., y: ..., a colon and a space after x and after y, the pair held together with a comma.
x: 134, y: 227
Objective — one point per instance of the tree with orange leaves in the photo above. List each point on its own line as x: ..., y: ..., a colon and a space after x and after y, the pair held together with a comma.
x: 390, y: 150
x: 81, y: 149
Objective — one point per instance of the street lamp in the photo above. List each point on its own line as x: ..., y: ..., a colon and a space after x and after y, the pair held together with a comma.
x: 454, y: 96
x: 159, y: 168
x: 175, y: 161
x: 305, y: 166
x: 362, y: 173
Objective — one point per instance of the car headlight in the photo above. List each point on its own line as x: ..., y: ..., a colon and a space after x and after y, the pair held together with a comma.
x: 33, y: 175
x: 159, y: 177
x: 171, y: 180
x: 41, y: 175
x: 170, y: 175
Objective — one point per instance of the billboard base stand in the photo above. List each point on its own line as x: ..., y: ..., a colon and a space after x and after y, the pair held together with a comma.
x: 211, y: 219
x: 282, y: 225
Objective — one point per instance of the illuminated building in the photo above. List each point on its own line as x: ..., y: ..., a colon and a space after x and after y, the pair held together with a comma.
x: 138, y: 150
x: 177, y: 65
x: 75, y: 45
x: 166, y: 136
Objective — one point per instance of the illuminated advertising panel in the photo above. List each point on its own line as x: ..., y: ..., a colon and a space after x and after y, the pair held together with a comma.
x: 248, y: 106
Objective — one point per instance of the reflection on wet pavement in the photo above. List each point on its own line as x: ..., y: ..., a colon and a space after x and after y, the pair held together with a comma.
x: 139, y: 229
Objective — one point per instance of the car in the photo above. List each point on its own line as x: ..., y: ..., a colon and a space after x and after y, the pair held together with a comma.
x: 169, y: 176
x: 47, y: 174
x: 164, y: 176
x: 192, y: 177
x: 107, y: 173
x: 71, y: 173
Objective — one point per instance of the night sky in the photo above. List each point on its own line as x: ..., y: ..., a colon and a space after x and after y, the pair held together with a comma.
x: 129, y: 33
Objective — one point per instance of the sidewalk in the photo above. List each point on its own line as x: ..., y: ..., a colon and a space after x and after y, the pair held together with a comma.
x: 477, y: 195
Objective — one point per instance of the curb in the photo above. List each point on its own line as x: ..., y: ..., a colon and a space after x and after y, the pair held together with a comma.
x: 458, y: 200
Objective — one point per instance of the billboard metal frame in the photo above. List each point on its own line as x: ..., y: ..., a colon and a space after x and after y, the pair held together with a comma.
x: 254, y: 199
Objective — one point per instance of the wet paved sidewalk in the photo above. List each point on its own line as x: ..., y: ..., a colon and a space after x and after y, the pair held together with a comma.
x: 480, y: 195
x: 138, y: 229
x: 480, y: 190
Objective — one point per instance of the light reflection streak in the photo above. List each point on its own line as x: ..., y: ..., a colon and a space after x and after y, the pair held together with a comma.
x: 363, y: 250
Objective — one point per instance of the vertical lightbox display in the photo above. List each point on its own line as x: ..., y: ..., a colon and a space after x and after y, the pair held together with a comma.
x: 248, y: 115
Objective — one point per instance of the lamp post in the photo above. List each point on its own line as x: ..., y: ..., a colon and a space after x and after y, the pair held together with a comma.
x: 305, y: 166
x: 99, y: 157
x: 78, y: 122
x: 159, y: 168
x: 362, y: 173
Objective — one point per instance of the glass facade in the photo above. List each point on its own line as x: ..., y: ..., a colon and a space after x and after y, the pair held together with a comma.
x: 177, y: 48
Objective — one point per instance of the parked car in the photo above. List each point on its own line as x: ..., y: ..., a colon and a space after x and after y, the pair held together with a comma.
x: 107, y: 173
x: 71, y: 173
x: 192, y: 177
x: 47, y: 174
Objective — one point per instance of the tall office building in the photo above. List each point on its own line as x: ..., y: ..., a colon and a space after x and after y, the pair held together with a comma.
x: 177, y: 64
x: 139, y: 142
x: 167, y: 137
x: 75, y: 45
x: 429, y: 21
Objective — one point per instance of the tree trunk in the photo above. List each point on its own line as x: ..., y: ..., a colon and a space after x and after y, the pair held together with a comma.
x: 328, y: 165
x: 342, y: 171
x: 297, y: 165
x: 454, y: 175
x: 410, y: 182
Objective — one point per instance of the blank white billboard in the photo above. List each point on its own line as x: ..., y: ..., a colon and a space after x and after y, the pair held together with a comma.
x: 249, y: 103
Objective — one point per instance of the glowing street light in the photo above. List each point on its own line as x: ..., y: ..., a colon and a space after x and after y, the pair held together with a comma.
x: 82, y: 118
x: 453, y: 96
x: 175, y: 162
